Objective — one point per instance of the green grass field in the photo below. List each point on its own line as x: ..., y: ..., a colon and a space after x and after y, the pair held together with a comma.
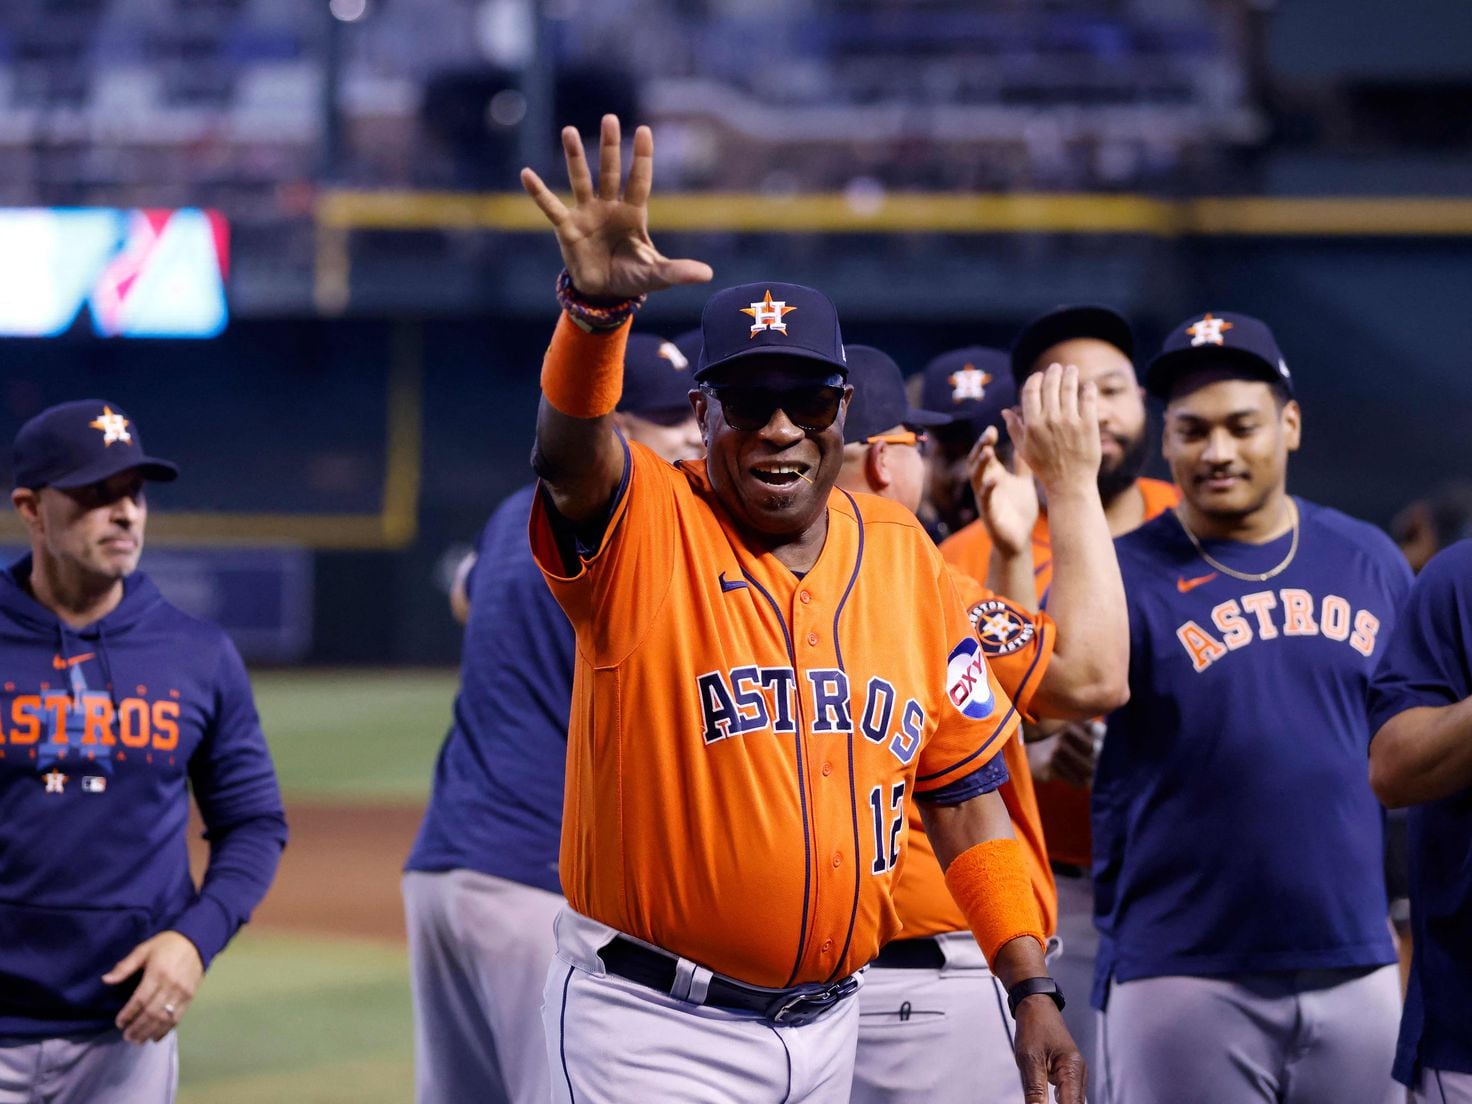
x: 291, y: 1018
x: 355, y: 735
x: 321, y: 1020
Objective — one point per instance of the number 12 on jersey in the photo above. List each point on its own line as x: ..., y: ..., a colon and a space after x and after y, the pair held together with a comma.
x: 887, y: 825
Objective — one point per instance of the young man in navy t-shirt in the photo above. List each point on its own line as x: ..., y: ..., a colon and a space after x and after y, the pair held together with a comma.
x: 1239, y: 886
x: 1421, y: 757
x: 113, y: 706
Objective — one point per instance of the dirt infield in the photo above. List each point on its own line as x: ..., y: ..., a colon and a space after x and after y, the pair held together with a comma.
x: 340, y: 872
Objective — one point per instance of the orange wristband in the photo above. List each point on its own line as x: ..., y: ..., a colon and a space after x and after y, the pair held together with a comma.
x: 583, y: 373
x: 990, y: 883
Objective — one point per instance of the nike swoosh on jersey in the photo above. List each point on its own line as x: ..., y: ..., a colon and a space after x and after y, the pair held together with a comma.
x: 1185, y: 586
x: 71, y: 661
x: 731, y: 584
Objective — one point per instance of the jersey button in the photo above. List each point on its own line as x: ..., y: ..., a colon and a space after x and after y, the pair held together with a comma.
x: 827, y: 769
x: 804, y: 597
x: 827, y: 947
x: 813, y: 639
x: 837, y: 860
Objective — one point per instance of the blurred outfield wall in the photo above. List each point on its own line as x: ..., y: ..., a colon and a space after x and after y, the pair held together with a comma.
x: 377, y: 441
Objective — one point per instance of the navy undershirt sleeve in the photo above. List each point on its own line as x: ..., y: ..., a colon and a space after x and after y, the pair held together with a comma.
x: 983, y: 780
x: 579, y: 541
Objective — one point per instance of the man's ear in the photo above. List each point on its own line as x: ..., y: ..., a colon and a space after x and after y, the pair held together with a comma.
x: 1292, y: 424
x: 27, y: 504
x: 876, y: 466
x: 700, y: 403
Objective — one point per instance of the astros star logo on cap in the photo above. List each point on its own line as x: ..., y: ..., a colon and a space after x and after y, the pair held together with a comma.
x: 969, y: 383
x: 114, y: 427
x: 768, y: 314
x: 1208, y: 329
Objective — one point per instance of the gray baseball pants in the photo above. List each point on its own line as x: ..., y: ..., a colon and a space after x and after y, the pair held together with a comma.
x: 936, y: 1036
x: 479, y: 948
x: 89, y: 1069
x: 614, y: 1041
x: 1443, y: 1087
x: 1311, y: 1037
x: 1073, y: 968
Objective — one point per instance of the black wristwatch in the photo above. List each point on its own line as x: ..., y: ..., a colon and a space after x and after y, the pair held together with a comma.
x: 1031, y: 987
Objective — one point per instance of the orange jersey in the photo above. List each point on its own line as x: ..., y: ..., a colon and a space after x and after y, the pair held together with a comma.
x: 743, y: 742
x: 1017, y: 646
x: 1065, y: 808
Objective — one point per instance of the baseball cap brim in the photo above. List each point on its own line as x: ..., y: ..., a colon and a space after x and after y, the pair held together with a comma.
x: 806, y: 362
x: 1069, y: 324
x: 929, y: 418
x: 151, y: 468
x: 1168, y: 368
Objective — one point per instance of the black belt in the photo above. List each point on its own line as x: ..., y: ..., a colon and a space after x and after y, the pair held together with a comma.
x: 658, y: 970
x: 1069, y: 870
x: 911, y: 954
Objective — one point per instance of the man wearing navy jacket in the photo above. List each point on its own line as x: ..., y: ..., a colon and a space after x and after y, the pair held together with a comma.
x: 113, y: 703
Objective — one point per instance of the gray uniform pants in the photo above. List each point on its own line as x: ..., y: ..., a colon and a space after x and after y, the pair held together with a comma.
x: 614, y: 1041
x: 936, y: 1036
x: 1073, y: 968
x: 1441, y: 1087
x: 478, y: 953
x: 1313, y: 1037
x: 90, y: 1069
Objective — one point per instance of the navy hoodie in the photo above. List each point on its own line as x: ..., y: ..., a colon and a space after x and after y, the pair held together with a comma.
x: 103, y: 732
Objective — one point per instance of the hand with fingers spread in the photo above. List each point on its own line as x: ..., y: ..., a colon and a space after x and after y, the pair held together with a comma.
x: 171, y: 969
x: 604, y: 236
x: 1006, y: 500
x: 1056, y: 432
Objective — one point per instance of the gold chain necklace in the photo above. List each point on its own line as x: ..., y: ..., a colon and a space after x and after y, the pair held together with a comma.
x: 1243, y: 575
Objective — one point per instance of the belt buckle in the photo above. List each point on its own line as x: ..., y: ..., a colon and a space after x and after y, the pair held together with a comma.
x: 800, y: 1008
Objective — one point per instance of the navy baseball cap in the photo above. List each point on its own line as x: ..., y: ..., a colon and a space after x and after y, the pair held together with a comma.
x: 80, y: 443
x: 1215, y: 340
x: 1069, y: 324
x: 770, y: 319
x: 657, y: 379
x: 689, y: 345
x: 973, y: 384
x: 880, y: 402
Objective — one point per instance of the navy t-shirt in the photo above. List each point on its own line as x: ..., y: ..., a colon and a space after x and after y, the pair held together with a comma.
x: 1234, y: 826
x: 1429, y: 663
x: 496, y: 805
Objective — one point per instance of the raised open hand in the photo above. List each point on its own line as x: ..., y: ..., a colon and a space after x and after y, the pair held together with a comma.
x: 1006, y: 501
x: 1056, y: 431
x: 604, y: 237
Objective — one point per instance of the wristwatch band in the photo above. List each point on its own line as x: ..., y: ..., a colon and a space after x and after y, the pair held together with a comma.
x: 1031, y: 987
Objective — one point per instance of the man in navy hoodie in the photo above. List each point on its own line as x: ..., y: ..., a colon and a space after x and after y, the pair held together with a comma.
x: 112, y: 704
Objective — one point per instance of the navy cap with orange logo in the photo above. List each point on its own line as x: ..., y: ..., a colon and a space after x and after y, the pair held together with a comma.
x: 1218, y: 339
x: 657, y: 379
x: 972, y: 384
x: 80, y: 443
x: 770, y: 319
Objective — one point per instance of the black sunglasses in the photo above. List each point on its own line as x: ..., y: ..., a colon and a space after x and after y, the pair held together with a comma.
x: 750, y: 408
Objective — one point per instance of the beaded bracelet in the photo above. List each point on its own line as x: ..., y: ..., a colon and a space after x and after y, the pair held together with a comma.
x: 591, y: 316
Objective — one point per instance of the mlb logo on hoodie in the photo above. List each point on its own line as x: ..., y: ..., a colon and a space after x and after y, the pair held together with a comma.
x: 94, y: 783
